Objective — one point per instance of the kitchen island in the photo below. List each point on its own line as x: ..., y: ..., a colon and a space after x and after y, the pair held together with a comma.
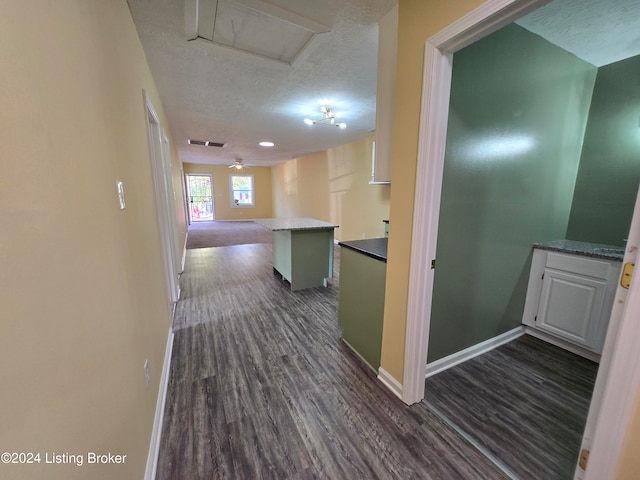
x: 363, y: 269
x: 302, y: 250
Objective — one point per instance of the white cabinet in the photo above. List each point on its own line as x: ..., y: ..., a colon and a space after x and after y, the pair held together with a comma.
x: 570, y: 297
x: 571, y: 306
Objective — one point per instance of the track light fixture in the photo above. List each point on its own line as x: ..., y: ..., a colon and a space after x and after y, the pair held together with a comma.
x: 328, y: 118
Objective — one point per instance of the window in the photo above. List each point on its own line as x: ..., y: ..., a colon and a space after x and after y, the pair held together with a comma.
x: 241, y: 190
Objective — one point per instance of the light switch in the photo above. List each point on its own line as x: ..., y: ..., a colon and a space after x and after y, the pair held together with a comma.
x: 121, y: 194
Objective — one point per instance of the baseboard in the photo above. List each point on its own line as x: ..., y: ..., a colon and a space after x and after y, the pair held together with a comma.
x: 559, y: 342
x: 154, y: 447
x: 473, y: 351
x: 390, y: 382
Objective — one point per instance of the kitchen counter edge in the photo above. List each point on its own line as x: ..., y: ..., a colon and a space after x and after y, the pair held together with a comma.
x: 371, y: 247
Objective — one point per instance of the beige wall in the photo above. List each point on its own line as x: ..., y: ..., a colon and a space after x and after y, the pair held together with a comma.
x: 82, y: 286
x: 333, y: 186
x: 222, y: 192
x: 417, y: 21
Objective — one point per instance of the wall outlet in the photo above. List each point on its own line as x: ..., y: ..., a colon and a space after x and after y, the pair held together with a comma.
x: 147, y: 373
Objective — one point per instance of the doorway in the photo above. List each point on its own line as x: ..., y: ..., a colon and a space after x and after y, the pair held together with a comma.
x: 200, y: 192
x: 436, y: 87
x: 164, y: 193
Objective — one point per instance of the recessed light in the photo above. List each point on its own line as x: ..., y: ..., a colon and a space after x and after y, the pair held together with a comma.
x: 267, y: 144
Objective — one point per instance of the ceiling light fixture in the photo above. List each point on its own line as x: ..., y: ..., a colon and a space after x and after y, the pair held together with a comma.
x: 328, y: 118
x: 238, y: 164
x: 266, y: 144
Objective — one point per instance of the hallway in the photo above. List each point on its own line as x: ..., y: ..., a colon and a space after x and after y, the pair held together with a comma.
x: 262, y: 387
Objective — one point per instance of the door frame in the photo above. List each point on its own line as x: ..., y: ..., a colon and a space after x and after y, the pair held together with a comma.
x: 438, y: 61
x: 185, y: 196
x: 188, y: 195
x: 165, y: 199
x: 615, y: 391
x: 434, y: 117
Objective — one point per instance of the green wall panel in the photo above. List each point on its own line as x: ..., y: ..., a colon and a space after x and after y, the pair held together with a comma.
x: 361, y: 304
x: 609, y: 172
x: 518, y: 114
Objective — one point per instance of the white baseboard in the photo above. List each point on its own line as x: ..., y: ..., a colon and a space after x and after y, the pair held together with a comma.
x: 391, y: 383
x: 559, y: 342
x: 154, y: 447
x: 473, y: 351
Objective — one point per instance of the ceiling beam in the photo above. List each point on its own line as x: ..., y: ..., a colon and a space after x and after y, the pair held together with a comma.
x: 200, y: 18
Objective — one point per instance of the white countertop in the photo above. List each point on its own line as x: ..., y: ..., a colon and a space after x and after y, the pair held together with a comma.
x: 294, y: 223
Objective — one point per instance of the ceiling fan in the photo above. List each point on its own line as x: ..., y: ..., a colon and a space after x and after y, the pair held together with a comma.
x: 238, y: 164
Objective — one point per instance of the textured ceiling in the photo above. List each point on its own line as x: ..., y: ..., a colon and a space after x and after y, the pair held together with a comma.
x: 222, y: 87
x: 598, y: 31
x: 238, y: 72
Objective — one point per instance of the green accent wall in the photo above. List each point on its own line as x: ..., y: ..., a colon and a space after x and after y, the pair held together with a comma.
x: 517, y: 119
x: 609, y: 173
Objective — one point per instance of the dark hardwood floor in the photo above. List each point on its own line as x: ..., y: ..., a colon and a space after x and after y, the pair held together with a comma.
x: 261, y: 386
x: 525, y: 402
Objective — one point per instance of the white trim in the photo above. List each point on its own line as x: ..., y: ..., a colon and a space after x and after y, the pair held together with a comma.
x: 253, y: 191
x: 391, y: 383
x: 620, y: 393
x: 154, y: 447
x: 473, y: 351
x: 183, y: 191
x: 565, y: 345
x: 487, y: 18
x: 618, y: 380
x: 166, y: 219
x: 433, y: 133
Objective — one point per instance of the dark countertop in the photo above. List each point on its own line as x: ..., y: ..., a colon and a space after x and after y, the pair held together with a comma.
x: 372, y: 247
x: 597, y: 250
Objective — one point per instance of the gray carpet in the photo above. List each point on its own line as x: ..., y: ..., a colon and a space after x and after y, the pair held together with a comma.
x: 224, y: 234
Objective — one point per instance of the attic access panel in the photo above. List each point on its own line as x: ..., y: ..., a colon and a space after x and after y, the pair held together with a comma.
x: 252, y: 26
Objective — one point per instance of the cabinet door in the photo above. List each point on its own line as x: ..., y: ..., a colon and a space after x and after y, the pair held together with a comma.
x: 571, y: 306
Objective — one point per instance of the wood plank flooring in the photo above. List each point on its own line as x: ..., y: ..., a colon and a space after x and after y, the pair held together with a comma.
x: 262, y: 387
x: 525, y: 402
